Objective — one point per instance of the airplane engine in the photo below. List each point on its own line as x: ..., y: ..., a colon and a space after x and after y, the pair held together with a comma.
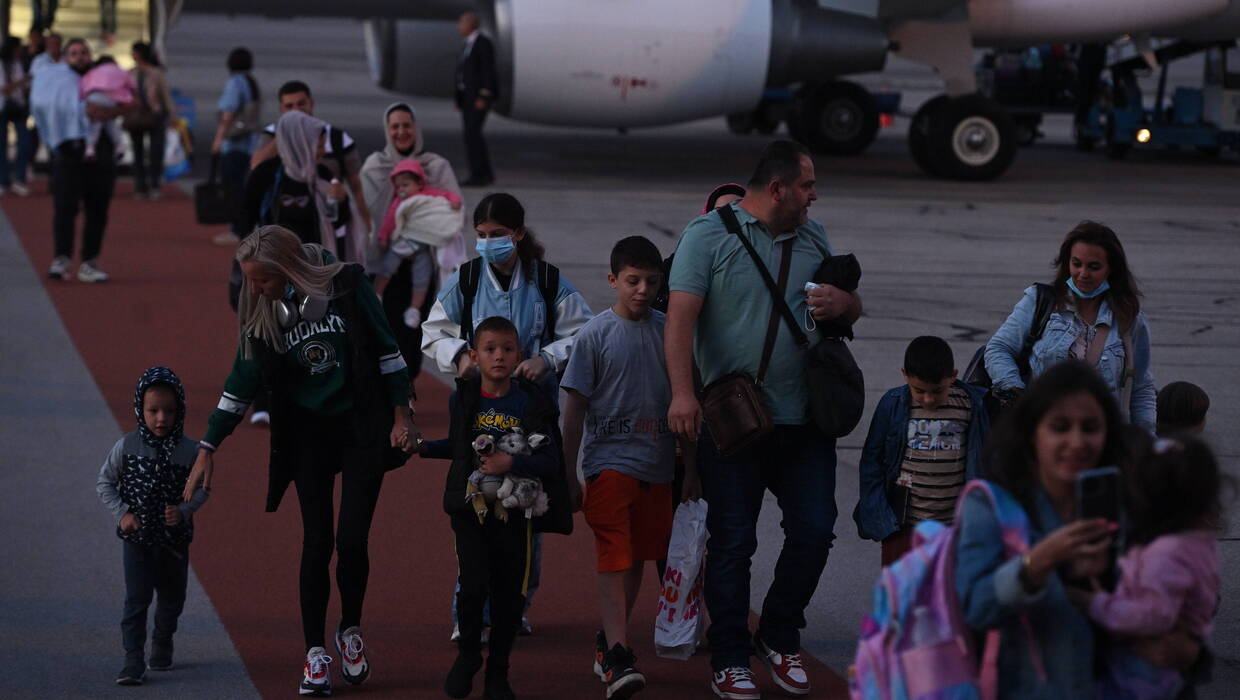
x: 633, y: 63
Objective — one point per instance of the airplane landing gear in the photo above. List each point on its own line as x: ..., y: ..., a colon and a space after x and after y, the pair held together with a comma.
x: 840, y: 118
x: 963, y: 138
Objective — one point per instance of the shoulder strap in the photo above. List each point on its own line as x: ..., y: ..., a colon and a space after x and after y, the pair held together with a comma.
x: 777, y: 293
x: 1042, y: 312
x: 468, y: 286
x: 337, y: 137
x: 549, y: 286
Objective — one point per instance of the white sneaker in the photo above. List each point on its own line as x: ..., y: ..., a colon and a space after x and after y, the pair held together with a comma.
x: 353, y: 664
x: 260, y: 417
x: 226, y: 239
x: 316, y: 677
x: 20, y: 189
x: 735, y: 683
x: 59, y: 269
x: 87, y: 272
x: 413, y: 317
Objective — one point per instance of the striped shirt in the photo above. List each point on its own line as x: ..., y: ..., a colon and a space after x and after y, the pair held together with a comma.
x: 934, y: 457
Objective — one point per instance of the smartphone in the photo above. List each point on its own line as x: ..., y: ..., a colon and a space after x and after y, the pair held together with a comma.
x: 1098, y: 494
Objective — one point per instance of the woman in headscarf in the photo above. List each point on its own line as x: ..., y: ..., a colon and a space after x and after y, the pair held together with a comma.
x: 293, y: 190
x: 404, y: 140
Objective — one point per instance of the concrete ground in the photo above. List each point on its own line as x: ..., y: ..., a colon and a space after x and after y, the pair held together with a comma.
x: 939, y: 257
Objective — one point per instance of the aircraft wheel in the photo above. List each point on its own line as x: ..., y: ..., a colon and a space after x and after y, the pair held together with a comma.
x: 1116, y: 149
x: 971, y: 138
x: 919, y: 134
x: 839, y: 118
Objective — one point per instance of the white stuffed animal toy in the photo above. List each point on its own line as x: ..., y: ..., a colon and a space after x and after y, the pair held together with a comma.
x: 513, y: 491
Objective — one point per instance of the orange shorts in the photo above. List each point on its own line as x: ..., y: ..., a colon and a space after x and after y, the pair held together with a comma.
x: 631, y: 519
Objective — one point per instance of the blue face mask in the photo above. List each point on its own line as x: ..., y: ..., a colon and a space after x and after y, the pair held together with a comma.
x: 1102, y: 288
x: 495, y: 250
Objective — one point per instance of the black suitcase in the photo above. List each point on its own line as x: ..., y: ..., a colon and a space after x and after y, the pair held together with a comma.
x: 214, y: 201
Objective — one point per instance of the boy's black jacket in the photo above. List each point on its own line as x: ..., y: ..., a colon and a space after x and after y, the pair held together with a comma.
x: 542, y: 416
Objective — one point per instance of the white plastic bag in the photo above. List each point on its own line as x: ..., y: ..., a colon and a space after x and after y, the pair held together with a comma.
x: 678, y: 622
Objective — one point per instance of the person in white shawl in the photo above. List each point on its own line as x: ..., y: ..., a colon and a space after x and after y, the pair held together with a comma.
x: 299, y: 143
x: 404, y: 140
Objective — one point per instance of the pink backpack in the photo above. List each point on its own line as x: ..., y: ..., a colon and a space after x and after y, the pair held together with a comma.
x: 915, y: 643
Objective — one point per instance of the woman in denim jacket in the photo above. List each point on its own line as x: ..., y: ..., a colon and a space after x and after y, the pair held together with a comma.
x: 1066, y: 423
x: 1094, y: 290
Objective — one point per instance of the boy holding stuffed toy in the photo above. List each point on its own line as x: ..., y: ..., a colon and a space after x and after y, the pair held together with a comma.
x: 492, y: 545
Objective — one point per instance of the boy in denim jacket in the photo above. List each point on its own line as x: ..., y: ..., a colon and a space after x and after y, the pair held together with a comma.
x: 925, y: 442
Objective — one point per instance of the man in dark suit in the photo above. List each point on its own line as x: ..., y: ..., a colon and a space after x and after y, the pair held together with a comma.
x: 476, y: 91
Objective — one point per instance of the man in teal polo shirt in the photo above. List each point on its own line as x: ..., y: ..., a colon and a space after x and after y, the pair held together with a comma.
x: 718, y: 313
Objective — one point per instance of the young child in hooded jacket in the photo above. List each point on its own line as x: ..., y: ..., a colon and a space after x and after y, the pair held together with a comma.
x: 418, y: 219
x: 141, y: 483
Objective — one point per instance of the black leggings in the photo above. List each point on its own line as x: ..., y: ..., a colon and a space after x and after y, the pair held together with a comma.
x: 325, y: 448
x: 494, y: 561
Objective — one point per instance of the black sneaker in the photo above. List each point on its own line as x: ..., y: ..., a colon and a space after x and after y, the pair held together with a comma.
x: 460, y: 680
x: 131, y: 674
x: 161, y: 656
x: 600, y: 650
x: 497, y: 687
x: 620, y: 673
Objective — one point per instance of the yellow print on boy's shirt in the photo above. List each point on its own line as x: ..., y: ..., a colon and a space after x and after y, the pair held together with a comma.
x: 493, y: 420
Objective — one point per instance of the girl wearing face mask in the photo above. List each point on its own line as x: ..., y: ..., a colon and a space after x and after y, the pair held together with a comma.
x: 508, y: 286
x: 509, y: 270
x: 1095, y: 317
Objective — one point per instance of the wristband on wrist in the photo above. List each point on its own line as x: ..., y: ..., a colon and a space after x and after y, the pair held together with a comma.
x: 206, y: 446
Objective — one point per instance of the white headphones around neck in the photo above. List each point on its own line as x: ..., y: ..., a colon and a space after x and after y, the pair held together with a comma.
x: 289, y: 313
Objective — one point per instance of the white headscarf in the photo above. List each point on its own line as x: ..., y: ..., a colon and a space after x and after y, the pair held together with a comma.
x: 297, y: 142
x: 378, y: 191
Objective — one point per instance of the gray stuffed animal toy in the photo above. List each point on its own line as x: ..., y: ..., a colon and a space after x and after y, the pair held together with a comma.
x: 509, y: 491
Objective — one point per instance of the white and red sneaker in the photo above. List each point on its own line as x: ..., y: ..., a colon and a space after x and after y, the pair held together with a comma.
x: 316, y: 677
x: 353, y: 664
x: 786, y: 669
x: 735, y: 683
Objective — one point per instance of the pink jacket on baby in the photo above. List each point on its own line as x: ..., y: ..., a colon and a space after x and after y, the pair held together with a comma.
x: 409, y: 165
x: 111, y: 80
x: 1172, y: 582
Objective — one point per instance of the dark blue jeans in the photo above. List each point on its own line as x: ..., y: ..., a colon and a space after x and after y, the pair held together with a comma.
x: 797, y: 464
x: 150, y: 571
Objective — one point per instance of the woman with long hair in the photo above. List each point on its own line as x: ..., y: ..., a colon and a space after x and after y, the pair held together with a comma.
x: 1095, y: 317
x: 1066, y: 423
x: 508, y: 279
x: 311, y: 332
x: 148, y: 124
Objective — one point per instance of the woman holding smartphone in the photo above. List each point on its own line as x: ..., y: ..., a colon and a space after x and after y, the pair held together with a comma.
x: 1066, y: 423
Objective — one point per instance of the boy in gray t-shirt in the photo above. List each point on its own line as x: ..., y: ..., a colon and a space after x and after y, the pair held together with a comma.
x: 617, y: 387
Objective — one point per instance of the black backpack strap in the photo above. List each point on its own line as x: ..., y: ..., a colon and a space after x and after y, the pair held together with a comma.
x: 781, y: 304
x: 1041, y: 315
x: 549, y: 286
x: 337, y: 137
x: 468, y: 286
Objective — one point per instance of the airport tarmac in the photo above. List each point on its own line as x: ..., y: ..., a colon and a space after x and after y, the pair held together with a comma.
x: 941, y: 258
